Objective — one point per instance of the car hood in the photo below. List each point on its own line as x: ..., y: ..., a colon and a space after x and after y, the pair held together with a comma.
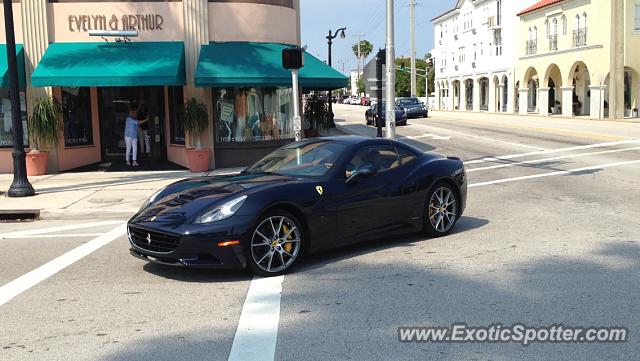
x: 186, y: 199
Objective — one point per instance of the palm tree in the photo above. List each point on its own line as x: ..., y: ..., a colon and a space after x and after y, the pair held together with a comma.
x: 362, y: 52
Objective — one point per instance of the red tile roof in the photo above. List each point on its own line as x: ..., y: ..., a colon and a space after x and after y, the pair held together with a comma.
x: 539, y: 5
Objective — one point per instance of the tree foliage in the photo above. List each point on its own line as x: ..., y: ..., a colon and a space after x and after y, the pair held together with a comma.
x: 403, y: 78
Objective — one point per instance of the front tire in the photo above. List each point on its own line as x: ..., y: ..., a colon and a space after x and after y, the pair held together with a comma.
x: 276, y: 244
x: 442, y: 210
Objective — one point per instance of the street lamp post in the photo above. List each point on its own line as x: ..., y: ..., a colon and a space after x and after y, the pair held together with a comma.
x: 20, y: 187
x: 330, y: 37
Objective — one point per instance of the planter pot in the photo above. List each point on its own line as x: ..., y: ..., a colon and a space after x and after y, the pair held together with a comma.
x: 37, y: 163
x: 198, y: 160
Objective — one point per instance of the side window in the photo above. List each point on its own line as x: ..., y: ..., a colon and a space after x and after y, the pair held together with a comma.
x: 405, y: 155
x: 383, y: 157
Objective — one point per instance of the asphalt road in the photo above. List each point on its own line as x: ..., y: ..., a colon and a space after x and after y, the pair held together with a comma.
x: 551, y: 235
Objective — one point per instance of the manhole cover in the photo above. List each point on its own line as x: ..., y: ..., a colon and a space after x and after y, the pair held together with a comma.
x: 105, y: 200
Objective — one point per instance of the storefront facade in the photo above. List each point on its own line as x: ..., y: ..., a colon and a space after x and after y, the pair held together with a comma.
x: 96, y: 81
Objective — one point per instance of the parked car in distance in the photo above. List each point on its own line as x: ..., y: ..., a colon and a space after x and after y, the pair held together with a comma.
x: 354, y: 101
x: 414, y: 107
x: 371, y: 114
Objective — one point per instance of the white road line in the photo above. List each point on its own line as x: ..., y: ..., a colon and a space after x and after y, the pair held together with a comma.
x: 32, y: 232
x: 55, y: 236
x: 562, y: 172
x: 428, y: 135
x: 487, y: 139
x: 24, y: 282
x: 257, y: 332
x: 550, y: 159
x: 551, y: 151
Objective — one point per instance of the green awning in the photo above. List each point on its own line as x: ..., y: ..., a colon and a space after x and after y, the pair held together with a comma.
x: 103, y: 64
x: 260, y: 64
x: 4, y: 66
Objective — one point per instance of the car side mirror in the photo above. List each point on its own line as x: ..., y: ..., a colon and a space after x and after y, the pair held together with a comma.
x: 365, y: 171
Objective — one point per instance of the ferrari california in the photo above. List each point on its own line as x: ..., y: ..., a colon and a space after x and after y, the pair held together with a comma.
x: 306, y: 197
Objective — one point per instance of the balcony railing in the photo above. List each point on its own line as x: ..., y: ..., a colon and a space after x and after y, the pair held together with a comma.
x: 580, y: 37
x: 531, y: 47
x: 553, y: 42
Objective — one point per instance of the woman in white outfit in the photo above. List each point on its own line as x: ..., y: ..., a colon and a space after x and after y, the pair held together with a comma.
x: 131, y: 136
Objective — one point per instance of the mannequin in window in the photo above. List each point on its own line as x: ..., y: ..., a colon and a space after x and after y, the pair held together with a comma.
x: 241, y: 109
x: 225, y: 115
x: 270, y: 112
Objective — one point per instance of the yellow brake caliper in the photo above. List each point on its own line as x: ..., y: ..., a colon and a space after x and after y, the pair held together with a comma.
x: 287, y: 246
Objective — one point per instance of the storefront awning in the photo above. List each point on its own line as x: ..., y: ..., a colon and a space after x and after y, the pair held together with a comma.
x: 260, y: 64
x: 102, y: 64
x: 4, y: 66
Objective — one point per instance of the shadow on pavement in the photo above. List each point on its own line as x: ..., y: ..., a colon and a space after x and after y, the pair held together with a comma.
x: 197, y: 275
x: 346, y: 308
x: 321, y: 259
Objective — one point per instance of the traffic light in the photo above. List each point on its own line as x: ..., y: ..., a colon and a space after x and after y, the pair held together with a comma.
x: 402, y: 67
x: 292, y: 58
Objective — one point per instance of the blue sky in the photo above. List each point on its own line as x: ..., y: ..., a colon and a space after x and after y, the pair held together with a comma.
x: 365, y: 17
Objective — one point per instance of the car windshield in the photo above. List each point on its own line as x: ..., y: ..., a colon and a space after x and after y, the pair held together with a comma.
x: 384, y: 107
x: 313, y: 159
x: 409, y: 101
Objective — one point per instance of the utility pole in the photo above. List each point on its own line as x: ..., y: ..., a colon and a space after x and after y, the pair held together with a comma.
x: 412, y: 35
x: 358, y: 37
x: 390, y: 123
x: 20, y: 187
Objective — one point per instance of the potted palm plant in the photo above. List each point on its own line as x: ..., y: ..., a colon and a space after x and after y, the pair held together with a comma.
x: 196, y: 121
x: 44, y: 126
x: 316, y: 112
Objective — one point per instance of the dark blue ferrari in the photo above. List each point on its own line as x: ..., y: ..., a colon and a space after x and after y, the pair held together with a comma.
x: 305, y: 197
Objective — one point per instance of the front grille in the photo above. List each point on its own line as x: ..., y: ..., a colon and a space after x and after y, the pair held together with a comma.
x: 153, y: 241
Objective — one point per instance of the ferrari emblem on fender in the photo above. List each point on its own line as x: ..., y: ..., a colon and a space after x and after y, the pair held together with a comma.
x: 319, y: 190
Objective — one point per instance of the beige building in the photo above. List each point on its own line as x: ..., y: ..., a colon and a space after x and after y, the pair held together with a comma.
x: 579, y: 58
x: 226, y: 53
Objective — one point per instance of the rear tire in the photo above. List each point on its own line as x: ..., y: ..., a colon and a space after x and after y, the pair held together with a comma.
x: 441, y: 210
x: 276, y: 244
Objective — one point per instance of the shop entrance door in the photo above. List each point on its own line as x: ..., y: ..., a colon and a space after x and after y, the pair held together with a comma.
x: 114, y: 105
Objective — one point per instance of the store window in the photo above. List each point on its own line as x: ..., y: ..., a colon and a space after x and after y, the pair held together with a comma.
x: 253, y: 114
x: 176, y: 121
x: 76, y: 113
x: 6, y: 132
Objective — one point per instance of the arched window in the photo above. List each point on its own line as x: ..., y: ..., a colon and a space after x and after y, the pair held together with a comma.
x: 564, y: 25
x: 530, y: 34
x: 584, y: 21
x: 546, y: 26
x: 535, y: 33
x: 577, y: 22
x: 555, y: 27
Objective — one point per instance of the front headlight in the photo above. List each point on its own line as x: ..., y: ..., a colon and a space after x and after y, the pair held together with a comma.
x: 222, y: 212
x: 151, y: 199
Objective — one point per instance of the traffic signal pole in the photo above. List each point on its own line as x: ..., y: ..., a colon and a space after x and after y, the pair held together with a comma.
x: 390, y: 122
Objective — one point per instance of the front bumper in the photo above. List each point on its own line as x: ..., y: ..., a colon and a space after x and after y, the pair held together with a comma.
x: 417, y: 113
x: 194, y: 246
